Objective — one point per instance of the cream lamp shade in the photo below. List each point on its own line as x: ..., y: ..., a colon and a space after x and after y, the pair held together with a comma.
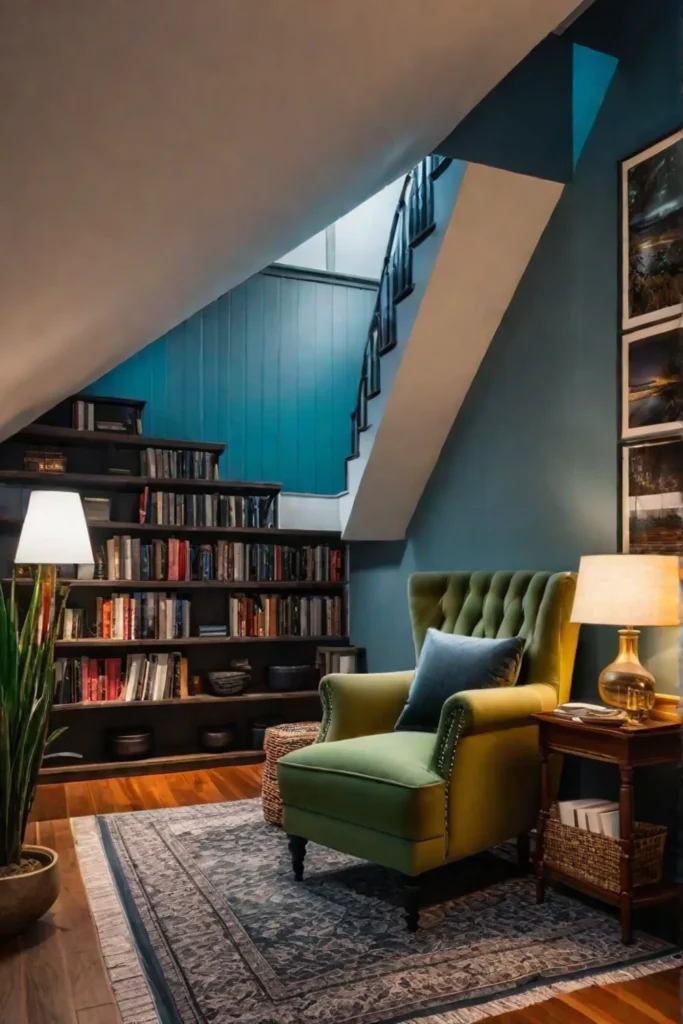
x: 627, y: 590
x: 55, y: 531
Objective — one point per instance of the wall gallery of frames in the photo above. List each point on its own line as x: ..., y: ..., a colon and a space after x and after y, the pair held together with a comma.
x: 652, y: 348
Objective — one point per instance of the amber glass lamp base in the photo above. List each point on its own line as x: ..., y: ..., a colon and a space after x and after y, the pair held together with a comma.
x: 625, y: 683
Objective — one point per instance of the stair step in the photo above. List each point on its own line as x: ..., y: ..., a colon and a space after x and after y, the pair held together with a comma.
x: 419, y: 238
x: 404, y: 294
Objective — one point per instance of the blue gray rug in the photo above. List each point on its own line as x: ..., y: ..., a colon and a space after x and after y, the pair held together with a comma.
x: 201, y: 922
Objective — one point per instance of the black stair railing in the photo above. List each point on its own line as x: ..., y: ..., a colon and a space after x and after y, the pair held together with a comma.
x: 413, y: 222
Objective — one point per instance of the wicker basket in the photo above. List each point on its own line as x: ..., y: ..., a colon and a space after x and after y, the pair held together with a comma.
x: 227, y: 684
x: 281, y: 740
x: 594, y: 858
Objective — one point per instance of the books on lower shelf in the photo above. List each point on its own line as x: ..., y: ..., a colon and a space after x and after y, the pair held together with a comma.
x: 178, y: 464
x: 166, y: 508
x: 142, y: 616
x: 591, y: 814
x: 129, y: 558
x: 142, y: 678
x: 273, y: 615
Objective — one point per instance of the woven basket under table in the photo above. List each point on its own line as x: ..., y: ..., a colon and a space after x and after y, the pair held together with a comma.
x: 281, y: 740
x: 594, y: 858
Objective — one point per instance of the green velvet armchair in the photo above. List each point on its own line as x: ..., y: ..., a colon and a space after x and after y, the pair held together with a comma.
x: 414, y: 801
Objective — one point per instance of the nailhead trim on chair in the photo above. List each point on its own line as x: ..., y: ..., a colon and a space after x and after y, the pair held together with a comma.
x: 326, y: 700
x: 456, y: 725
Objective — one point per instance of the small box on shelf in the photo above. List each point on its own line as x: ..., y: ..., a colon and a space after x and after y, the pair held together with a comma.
x: 333, y: 660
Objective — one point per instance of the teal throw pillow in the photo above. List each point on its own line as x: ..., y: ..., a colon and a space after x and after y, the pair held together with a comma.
x: 449, y: 664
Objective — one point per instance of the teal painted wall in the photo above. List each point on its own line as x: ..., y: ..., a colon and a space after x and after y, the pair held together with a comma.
x: 271, y: 368
x: 528, y: 477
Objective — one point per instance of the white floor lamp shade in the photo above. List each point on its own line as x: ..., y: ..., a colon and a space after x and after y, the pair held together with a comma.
x: 55, y: 531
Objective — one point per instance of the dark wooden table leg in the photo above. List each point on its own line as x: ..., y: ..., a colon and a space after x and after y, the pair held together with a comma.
x: 626, y: 844
x: 542, y: 817
x: 523, y: 848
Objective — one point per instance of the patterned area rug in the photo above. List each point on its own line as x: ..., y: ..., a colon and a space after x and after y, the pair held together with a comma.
x: 201, y: 922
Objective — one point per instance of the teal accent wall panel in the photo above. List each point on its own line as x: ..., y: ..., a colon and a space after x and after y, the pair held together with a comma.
x: 271, y: 368
x: 592, y: 73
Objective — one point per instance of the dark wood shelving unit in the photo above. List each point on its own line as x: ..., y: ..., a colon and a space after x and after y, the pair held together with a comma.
x: 176, y: 722
x: 198, y: 641
x: 71, y: 436
x: 148, y: 766
x: 184, y: 702
x: 125, y: 482
x: 272, y: 586
x: 265, y: 534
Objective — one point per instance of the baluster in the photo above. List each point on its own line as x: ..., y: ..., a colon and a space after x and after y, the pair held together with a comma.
x: 373, y: 360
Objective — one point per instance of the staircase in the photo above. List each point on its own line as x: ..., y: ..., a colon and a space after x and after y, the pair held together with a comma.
x: 461, y: 238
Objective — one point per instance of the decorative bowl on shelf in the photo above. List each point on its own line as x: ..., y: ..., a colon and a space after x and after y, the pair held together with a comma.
x: 285, y: 678
x: 227, y: 683
x: 130, y: 744
x: 216, y: 737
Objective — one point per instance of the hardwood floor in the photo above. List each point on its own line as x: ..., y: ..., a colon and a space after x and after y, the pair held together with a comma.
x: 54, y: 973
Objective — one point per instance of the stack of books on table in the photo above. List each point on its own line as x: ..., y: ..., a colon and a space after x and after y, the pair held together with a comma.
x: 592, y: 713
x: 592, y: 814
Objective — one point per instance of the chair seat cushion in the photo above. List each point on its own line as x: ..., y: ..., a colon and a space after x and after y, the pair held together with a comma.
x: 382, y: 782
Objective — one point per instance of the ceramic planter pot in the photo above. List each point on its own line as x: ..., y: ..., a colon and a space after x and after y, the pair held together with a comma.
x: 25, y: 898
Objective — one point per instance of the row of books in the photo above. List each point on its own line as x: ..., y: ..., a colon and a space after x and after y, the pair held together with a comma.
x: 165, y: 508
x: 174, y: 464
x: 145, y: 677
x: 84, y: 416
x: 128, y: 558
x: 142, y: 616
x: 273, y: 615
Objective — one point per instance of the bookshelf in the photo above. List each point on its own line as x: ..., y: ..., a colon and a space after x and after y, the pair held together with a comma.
x: 100, y: 446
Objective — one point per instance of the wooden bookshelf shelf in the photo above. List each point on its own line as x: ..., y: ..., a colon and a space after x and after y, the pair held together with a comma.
x: 149, y: 765
x: 118, y: 439
x: 237, y: 585
x: 262, y: 697
x: 116, y: 482
x: 264, y: 533
x: 196, y: 641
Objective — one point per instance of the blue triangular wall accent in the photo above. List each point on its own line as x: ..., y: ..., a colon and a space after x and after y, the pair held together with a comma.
x: 592, y: 73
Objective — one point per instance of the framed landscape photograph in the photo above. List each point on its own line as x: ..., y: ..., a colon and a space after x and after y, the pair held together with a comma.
x: 652, y: 482
x: 652, y: 381
x: 652, y: 233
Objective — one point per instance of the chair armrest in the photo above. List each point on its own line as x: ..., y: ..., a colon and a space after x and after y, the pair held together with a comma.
x: 362, y: 704
x: 477, y: 711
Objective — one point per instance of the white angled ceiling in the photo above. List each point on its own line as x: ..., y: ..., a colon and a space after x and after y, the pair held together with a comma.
x: 155, y: 153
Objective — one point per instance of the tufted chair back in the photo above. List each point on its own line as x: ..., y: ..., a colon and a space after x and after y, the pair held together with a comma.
x: 533, y: 605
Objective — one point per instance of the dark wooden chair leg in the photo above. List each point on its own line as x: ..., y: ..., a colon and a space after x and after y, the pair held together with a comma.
x: 297, y: 849
x: 523, y: 853
x: 412, y: 893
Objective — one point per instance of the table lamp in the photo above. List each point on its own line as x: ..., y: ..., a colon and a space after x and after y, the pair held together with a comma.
x: 627, y: 591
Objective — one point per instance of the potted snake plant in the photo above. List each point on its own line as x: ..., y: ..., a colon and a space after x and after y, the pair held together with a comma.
x: 29, y: 875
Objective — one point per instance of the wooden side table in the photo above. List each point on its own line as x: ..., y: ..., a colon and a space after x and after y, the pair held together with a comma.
x: 629, y: 748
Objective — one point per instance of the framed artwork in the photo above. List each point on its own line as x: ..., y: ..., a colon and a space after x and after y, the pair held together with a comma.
x: 652, y: 381
x: 652, y: 483
x: 652, y: 233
